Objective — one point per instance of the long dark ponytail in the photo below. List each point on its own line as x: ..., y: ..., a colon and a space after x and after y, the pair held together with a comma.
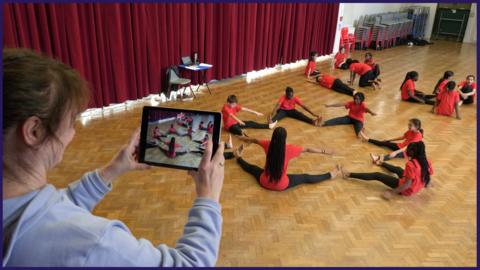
x: 171, y: 146
x: 276, y: 154
x: 416, y: 150
x: 410, y: 76
x: 417, y: 123
x: 446, y: 76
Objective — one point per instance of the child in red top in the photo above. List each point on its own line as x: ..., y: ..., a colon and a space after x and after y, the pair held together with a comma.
x: 171, y: 149
x: 355, y: 117
x: 310, y: 69
x: 440, y: 86
x: 448, y: 101
x: 340, y: 59
x: 468, y: 90
x: 413, y: 134
x: 235, y: 125
x: 410, y: 94
x: 367, y: 76
x: 157, y: 134
x: 371, y: 62
x: 330, y: 82
x: 286, y: 108
x: 409, y: 181
x: 274, y: 175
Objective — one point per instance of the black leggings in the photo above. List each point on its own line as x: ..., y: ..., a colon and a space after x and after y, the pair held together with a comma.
x: 341, y: 87
x: 422, y: 96
x: 237, y: 128
x: 367, y: 79
x: 376, y: 70
x: 345, y: 120
x: 389, y: 145
x: 293, y: 179
x: 293, y: 114
x: 386, y: 179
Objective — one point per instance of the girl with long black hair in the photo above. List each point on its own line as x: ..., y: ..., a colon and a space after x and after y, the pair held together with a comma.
x: 409, y: 181
x: 172, y: 149
x: 410, y: 94
x: 274, y: 175
x: 413, y: 134
x: 442, y: 82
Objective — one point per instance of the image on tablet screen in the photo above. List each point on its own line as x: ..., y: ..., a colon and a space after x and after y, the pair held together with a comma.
x: 177, y: 138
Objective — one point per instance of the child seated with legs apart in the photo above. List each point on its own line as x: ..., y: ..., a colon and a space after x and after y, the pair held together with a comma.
x: 448, y: 101
x: 355, y: 117
x: 468, y: 90
x: 408, y: 181
x: 233, y: 124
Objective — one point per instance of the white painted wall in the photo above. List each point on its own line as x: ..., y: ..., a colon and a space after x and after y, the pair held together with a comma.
x: 471, y: 31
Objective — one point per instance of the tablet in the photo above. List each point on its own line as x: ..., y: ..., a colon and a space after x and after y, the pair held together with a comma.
x: 177, y: 138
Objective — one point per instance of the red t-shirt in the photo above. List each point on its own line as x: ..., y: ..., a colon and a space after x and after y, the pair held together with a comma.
x: 446, y: 102
x: 472, y: 86
x: 413, y: 171
x: 326, y: 80
x: 291, y: 151
x: 339, y: 59
x: 289, y: 104
x: 360, y: 68
x: 172, y: 130
x: 210, y: 128
x: 410, y: 137
x: 226, y: 111
x: 408, y: 87
x: 310, y: 67
x: 156, y: 133
x: 370, y: 62
x: 356, y: 111
x: 442, y: 85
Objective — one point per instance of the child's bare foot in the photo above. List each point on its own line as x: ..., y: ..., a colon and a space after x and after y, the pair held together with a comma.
x: 335, y: 172
x: 345, y: 173
x: 229, y: 144
x: 238, y: 152
x: 375, y: 158
x: 363, y: 136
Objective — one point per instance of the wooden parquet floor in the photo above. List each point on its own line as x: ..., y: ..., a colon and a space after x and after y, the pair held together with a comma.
x: 334, y: 223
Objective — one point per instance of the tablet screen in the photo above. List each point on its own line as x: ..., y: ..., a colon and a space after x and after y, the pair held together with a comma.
x: 177, y: 137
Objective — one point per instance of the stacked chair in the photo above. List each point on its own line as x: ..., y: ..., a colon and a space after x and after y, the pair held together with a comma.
x: 381, y: 31
x: 419, y: 16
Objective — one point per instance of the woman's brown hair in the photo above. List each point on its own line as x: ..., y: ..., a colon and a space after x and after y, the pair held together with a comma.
x: 37, y: 85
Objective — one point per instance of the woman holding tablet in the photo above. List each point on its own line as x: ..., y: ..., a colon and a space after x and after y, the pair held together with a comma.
x: 46, y: 226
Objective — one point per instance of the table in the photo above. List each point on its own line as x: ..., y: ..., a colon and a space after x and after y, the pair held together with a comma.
x: 200, y: 67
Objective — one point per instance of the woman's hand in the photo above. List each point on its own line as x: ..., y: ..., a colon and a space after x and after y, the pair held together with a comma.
x: 209, y: 177
x: 125, y: 160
